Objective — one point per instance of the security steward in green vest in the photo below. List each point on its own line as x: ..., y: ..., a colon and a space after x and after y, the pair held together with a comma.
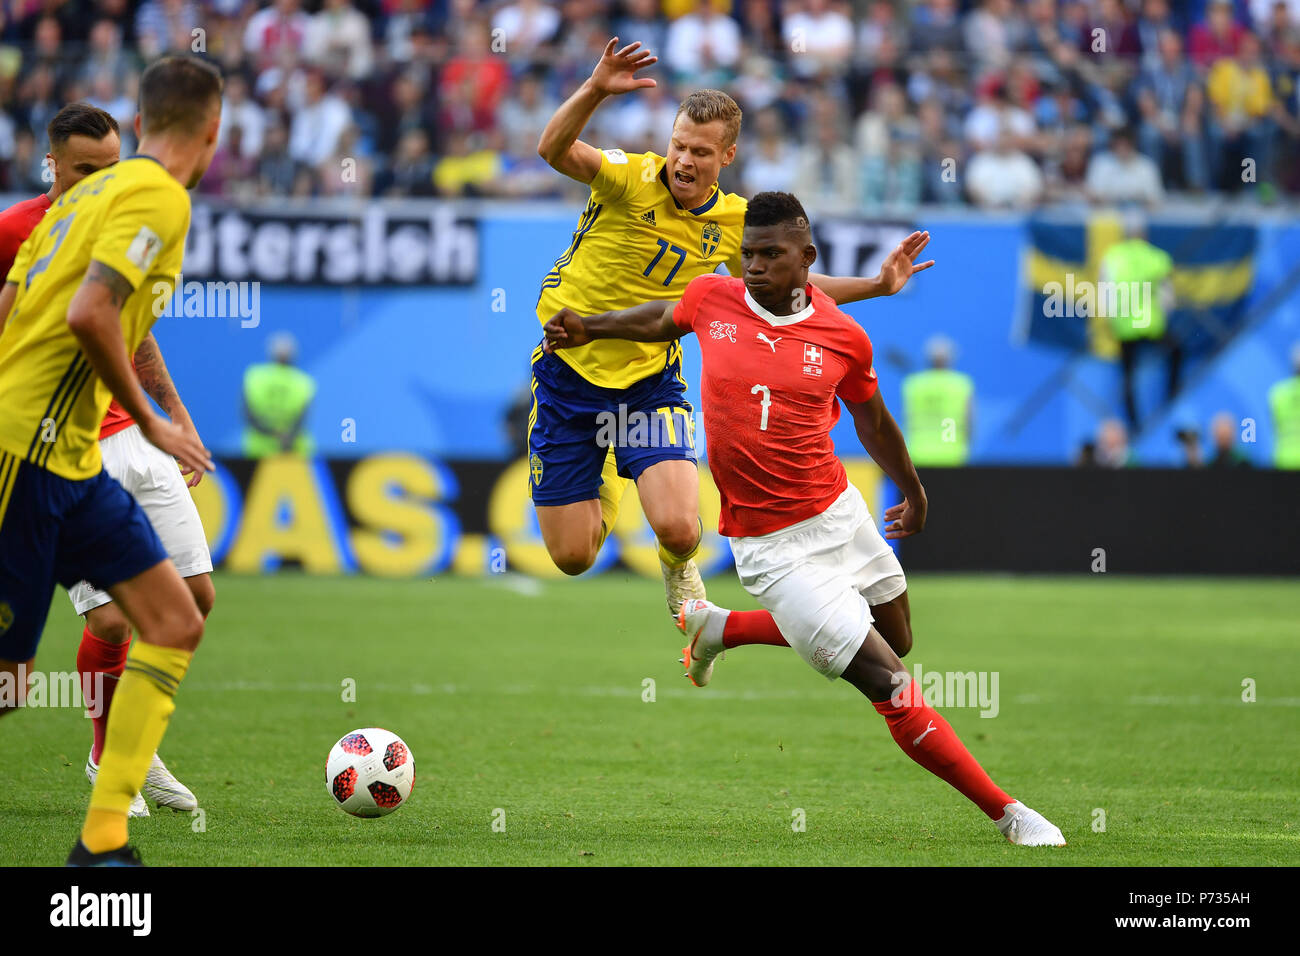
x: 1284, y: 406
x: 1138, y: 274
x: 275, y: 402
x: 937, y: 409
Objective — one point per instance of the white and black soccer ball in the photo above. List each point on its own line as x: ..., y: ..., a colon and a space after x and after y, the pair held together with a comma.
x: 370, y: 772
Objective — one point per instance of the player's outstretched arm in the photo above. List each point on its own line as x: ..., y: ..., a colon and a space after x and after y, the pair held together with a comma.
x: 614, y: 74
x: 648, y: 322
x: 899, y: 266
x: 94, y: 317
x: 154, y: 378
x: 883, y: 440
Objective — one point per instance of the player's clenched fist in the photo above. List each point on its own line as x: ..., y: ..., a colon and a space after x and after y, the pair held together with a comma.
x: 565, y: 330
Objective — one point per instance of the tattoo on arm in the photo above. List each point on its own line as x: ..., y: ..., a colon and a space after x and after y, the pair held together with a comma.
x: 154, y: 378
x: 118, y: 288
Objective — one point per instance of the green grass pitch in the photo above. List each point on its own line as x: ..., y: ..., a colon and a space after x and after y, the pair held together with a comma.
x: 524, y: 705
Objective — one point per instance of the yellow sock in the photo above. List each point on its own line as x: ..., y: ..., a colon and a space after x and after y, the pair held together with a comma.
x: 611, y: 494
x: 142, y: 705
x: 677, y: 560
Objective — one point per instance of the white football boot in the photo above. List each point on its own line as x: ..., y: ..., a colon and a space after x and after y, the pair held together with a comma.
x: 1025, y: 827
x: 681, y: 584
x: 703, y: 623
x: 165, y: 790
x: 138, y: 807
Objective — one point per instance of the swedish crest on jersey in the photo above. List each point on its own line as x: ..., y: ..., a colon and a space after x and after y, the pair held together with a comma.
x: 710, y: 236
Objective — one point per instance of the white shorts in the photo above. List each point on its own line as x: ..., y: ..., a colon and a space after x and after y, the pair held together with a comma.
x: 820, y: 577
x: 153, y: 479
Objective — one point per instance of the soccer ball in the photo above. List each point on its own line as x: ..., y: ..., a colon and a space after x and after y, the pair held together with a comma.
x: 370, y: 772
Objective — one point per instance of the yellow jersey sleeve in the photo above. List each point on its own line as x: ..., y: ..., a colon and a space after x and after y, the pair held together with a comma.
x: 18, y: 271
x: 145, y: 220
x: 619, y: 175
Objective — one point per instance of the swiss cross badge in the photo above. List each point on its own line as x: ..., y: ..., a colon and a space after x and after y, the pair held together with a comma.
x: 812, y: 359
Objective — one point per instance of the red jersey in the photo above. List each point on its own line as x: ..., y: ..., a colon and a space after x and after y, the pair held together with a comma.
x: 769, y: 388
x: 16, y: 224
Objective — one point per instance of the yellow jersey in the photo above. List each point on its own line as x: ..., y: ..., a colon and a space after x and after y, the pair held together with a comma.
x: 635, y: 243
x: 132, y: 217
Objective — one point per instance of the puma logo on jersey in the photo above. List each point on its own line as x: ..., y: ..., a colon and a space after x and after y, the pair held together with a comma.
x: 928, y: 730
x: 771, y: 342
x: 648, y: 216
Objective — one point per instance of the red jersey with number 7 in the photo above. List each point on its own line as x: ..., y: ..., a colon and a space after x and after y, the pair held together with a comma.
x: 16, y: 224
x: 769, y: 392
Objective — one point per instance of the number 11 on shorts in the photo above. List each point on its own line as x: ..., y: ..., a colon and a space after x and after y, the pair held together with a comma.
x: 767, y: 403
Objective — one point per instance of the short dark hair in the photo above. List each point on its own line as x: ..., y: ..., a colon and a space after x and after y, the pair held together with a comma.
x: 776, y: 209
x: 80, y: 119
x: 177, y: 92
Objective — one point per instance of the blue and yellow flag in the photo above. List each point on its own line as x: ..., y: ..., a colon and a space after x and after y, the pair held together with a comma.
x: 1213, y: 274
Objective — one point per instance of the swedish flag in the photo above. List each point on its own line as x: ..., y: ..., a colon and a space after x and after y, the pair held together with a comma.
x: 1213, y: 273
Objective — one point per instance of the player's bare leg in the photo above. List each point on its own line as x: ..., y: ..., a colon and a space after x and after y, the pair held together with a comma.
x: 168, y: 627
x: 9, y: 675
x: 893, y: 620
x: 572, y: 534
x: 670, y: 498
x: 927, y: 738
x: 100, y: 660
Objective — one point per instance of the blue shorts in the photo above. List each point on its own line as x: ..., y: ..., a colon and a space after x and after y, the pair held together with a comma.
x: 573, y: 424
x: 56, y: 530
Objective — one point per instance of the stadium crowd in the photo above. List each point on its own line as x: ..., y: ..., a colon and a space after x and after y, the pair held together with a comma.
x: 856, y: 105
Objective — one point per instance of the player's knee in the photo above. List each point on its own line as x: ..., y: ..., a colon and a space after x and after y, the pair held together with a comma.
x: 680, y: 536
x: 109, y: 624
x: 573, y: 561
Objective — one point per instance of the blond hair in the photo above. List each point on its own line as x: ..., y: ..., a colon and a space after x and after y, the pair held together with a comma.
x: 707, y: 106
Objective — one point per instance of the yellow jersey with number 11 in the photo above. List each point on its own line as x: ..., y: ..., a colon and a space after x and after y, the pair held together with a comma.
x: 635, y: 243
x: 133, y: 218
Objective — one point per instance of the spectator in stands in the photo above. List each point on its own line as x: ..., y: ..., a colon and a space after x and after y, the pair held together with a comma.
x: 240, y: 112
x: 526, y: 25
x: 827, y: 174
x: 638, y: 123
x: 703, y: 47
x: 275, y: 400
x: 1161, y: 91
x: 277, y: 173
x: 640, y: 20
x: 1003, y: 177
x: 996, y: 117
x: 105, y: 53
x: 941, y: 157
x: 771, y: 162
x: 935, y: 25
x: 473, y: 82
x: 992, y: 33
x: 1240, y: 92
x: 471, y: 167
x: 166, y: 26
x: 524, y: 115
x: 938, y: 409
x: 1153, y: 23
x: 1189, y: 441
x: 1217, y: 36
x: 1122, y: 175
x: 1110, y: 31
x: 338, y: 41
x: 411, y: 171
x: 889, y: 151
x: 231, y: 172
x: 1067, y: 171
x: 316, y: 127
x: 1227, y: 449
x: 109, y: 97
x: 881, y: 31
x: 818, y: 39
x: 273, y: 29
x: 1284, y: 411
x: 349, y: 171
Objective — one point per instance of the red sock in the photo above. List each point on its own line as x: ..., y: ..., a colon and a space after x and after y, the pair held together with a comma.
x: 929, y: 740
x: 751, y: 627
x: 96, y: 656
